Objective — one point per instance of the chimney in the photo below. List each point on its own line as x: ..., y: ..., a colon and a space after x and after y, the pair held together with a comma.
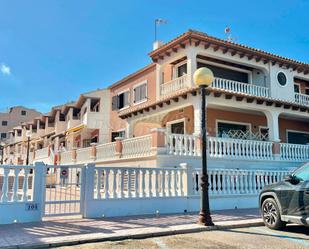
x: 157, y: 44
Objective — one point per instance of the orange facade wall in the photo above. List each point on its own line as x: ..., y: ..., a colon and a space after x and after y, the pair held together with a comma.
x: 148, y: 74
x: 214, y: 114
x: 294, y: 125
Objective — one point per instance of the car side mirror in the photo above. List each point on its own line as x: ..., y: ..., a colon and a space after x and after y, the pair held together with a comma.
x: 291, y: 179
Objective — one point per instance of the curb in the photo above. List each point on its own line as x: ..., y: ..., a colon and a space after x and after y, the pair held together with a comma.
x: 135, y: 236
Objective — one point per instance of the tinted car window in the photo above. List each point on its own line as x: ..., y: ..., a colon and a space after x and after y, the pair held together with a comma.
x: 303, y: 173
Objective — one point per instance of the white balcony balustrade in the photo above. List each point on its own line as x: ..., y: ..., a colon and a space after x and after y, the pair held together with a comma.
x: 106, y: 151
x: 174, y: 85
x: 182, y: 145
x: 239, y: 149
x: 41, y: 153
x: 294, y: 152
x: 66, y: 157
x: 137, y: 146
x: 236, y: 182
x: 302, y: 99
x: 240, y: 87
x: 83, y: 155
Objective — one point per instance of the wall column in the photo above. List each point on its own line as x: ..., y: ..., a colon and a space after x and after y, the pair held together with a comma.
x: 158, y: 80
x: 158, y: 140
x: 191, y: 64
x: 273, y: 131
x: 273, y: 125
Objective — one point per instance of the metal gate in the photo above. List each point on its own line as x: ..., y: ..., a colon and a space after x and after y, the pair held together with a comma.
x: 64, y: 193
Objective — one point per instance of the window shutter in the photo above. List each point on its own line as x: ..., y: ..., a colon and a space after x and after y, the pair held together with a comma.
x: 114, y: 103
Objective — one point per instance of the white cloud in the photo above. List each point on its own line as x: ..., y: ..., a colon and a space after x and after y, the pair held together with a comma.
x: 6, y: 70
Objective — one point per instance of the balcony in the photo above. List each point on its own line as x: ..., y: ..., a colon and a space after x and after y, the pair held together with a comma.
x: 240, y: 87
x: 183, y: 82
x: 174, y: 85
x: 302, y: 99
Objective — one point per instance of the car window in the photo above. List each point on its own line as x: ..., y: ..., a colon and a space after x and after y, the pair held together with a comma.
x: 302, y: 173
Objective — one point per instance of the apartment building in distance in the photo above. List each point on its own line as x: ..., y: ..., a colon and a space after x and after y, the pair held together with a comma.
x: 257, y: 111
x: 73, y: 125
x: 14, y: 117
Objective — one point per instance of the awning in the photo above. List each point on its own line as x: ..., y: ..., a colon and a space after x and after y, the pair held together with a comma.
x: 75, y: 129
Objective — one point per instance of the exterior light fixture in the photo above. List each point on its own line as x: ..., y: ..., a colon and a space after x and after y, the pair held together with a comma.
x: 203, y: 77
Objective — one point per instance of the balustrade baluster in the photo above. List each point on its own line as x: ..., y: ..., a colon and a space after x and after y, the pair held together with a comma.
x: 113, y: 175
x: 15, y: 185
x: 25, y: 185
x: 5, y: 185
x: 106, y: 182
x: 98, y: 187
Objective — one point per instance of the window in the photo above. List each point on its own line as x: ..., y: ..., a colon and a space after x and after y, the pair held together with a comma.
x: 282, y: 80
x: 307, y: 91
x: 296, y: 88
x: 226, y: 73
x: 3, y: 135
x: 4, y: 123
x: 121, y: 100
x: 140, y: 92
x: 294, y: 137
x: 23, y: 113
x: 117, y: 134
x: 182, y: 70
x: 223, y: 129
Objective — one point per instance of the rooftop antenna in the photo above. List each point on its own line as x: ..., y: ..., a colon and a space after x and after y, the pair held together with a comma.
x: 228, y: 34
x: 158, y: 22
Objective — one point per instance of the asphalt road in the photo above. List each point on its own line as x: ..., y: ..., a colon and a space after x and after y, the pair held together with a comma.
x: 293, y: 237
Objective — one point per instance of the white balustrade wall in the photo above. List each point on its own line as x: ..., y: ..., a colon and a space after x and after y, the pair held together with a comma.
x: 15, y: 184
x: 174, y: 85
x: 292, y: 152
x: 182, y: 145
x: 106, y: 151
x: 117, y: 191
x: 236, y: 182
x: 238, y: 148
x: 137, y: 147
x: 41, y: 153
x: 240, y: 87
x: 117, y: 183
x: 66, y: 157
x: 83, y: 155
x: 302, y: 99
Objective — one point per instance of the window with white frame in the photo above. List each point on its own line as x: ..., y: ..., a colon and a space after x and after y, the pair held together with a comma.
x: 140, y: 92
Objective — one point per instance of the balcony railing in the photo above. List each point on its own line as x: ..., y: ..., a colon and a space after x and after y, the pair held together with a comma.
x: 302, y: 99
x: 240, y: 149
x: 240, y: 87
x: 174, y: 85
x: 293, y: 152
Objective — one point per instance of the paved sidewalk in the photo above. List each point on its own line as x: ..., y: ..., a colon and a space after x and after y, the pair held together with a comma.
x: 75, y: 231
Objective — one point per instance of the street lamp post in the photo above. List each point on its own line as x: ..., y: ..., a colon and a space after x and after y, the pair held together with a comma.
x: 203, y: 77
x: 28, y: 135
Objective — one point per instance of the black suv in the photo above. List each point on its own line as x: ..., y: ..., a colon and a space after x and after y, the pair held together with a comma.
x: 287, y: 201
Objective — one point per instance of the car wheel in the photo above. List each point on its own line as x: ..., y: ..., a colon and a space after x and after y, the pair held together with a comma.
x: 271, y: 214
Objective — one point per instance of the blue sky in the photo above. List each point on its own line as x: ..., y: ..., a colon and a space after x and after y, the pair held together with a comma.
x: 53, y: 50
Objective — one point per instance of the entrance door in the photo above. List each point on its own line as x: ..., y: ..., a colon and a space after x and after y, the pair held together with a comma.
x: 178, y: 128
x: 63, y: 194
